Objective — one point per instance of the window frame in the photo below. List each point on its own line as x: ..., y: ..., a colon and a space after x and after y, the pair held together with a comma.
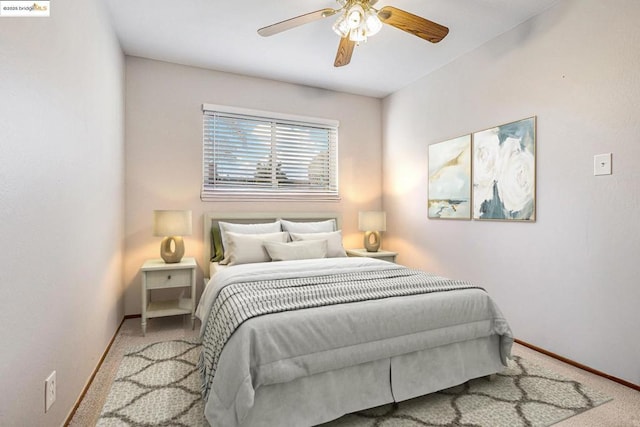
x: 210, y: 192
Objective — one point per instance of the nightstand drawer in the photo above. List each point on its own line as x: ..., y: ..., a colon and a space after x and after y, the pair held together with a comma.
x: 168, y: 279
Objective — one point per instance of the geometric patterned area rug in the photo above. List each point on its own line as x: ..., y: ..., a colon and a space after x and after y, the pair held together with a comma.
x: 156, y: 385
x: 159, y: 385
x: 522, y: 395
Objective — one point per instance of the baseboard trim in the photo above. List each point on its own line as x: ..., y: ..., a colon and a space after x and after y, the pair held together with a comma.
x: 93, y: 375
x: 579, y: 365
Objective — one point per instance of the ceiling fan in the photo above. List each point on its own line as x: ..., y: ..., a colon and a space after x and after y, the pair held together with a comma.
x: 358, y: 20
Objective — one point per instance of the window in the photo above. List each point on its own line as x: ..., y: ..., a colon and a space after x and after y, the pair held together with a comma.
x: 258, y: 155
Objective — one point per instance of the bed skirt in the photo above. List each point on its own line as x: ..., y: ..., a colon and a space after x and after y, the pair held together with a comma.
x: 323, y: 397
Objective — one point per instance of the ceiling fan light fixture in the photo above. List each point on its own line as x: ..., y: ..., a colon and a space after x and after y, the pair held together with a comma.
x: 358, y: 35
x: 372, y: 23
x: 341, y: 26
x: 355, y: 16
x: 358, y: 21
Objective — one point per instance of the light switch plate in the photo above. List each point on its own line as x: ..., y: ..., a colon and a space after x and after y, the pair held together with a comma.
x: 602, y: 164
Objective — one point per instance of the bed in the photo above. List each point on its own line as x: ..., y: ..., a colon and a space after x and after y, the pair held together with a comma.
x: 316, y: 335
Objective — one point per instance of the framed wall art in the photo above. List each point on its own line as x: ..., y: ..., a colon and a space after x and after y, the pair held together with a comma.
x: 450, y: 179
x: 504, y: 172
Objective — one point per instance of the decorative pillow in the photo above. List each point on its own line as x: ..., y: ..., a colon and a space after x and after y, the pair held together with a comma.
x: 334, y: 241
x: 249, y: 248
x: 261, y: 228
x: 310, y: 249
x: 309, y: 227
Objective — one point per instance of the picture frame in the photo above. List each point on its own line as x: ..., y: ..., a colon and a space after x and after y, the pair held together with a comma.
x: 449, y: 190
x: 504, y: 172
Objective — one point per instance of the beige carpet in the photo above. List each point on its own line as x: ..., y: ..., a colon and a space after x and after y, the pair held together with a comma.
x: 622, y: 411
x: 158, y: 385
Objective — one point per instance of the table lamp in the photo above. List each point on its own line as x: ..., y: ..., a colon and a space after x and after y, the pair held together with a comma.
x: 171, y: 225
x: 372, y: 223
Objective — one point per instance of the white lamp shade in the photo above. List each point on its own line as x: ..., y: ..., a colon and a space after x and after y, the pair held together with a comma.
x: 171, y: 223
x: 372, y: 221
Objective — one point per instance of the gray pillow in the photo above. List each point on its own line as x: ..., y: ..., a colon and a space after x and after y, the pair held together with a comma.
x: 310, y: 249
x: 334, y: 241
x: 249, y: 248
x: 259, y: 228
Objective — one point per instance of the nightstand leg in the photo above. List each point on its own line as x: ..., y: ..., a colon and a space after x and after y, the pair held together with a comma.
x: 144, y: 304
x: 193, y: 299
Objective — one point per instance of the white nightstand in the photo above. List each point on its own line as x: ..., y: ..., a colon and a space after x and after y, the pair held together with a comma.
x: 383, y: 255
x: 156, y: 274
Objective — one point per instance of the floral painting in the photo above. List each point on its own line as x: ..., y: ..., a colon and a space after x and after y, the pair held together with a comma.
x: 450, y: 179
x: 504, y: 172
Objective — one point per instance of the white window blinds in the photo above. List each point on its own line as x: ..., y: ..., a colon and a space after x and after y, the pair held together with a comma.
x: 254, y: 155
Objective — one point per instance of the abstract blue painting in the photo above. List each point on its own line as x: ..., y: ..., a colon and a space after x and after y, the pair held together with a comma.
x: 450, y: 179
x: 504, y: 172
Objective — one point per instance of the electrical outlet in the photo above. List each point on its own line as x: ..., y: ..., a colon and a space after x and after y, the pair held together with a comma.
x: 49, y: 391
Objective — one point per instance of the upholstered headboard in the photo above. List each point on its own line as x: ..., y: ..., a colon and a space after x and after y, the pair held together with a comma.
x: 211, y: 218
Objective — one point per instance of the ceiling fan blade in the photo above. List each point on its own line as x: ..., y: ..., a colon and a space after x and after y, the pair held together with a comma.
x: 413, y: 24
x: 295, y: 22
x: 345, y: 50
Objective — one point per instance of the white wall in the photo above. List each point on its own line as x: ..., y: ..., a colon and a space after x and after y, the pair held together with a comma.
x: 164, y: 151
x: 570, y: 282
x: 61, y: 205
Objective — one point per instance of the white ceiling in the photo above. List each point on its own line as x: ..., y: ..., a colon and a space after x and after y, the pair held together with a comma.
x: 221, y: 35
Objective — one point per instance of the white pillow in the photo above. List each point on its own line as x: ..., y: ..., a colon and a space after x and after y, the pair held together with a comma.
x: 310, y: 249
x: 309, y: 227
x: 334, y: 241
x: 249, y: 248
x: 260, y: 228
